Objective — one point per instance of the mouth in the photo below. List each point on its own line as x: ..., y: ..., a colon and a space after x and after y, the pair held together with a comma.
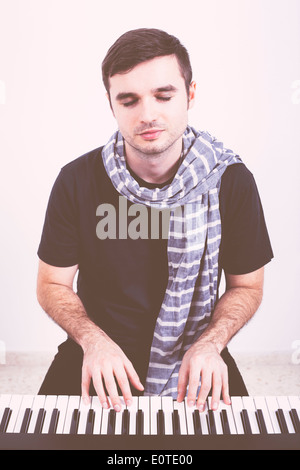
x: 151, y: 134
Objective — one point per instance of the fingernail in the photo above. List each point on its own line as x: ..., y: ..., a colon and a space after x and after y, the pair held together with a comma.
x: 117, y: 408
x: 128, y: 402
x: 214, y: 406
x: 104, y: 405
x: 201, y: 407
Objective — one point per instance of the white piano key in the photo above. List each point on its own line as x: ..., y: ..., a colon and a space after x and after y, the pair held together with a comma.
x: 155, y: 405
x: 203, y: 420
x: 14, y: 405
x: 4, y: 403
x: 97, y: 408
x: 272, y: 405
x: 231, y: 422
x: 237, y: 407
x: 73, y: 404
x: 295, y: 403
x: 182, y: 416
x: 217, y: 416
x: 261, y: 404
x: 167, y: 407
x: 119, y: 417
x: 143, y: 404
x: 284, y: 404
x: 249, y: 405
x: 132, y: 415
x: 26, y: 403
x: 104, y: 421
x: 189, y: 417
x: 62, y: 406
x: 38, y: 403
x: 49, y: 405
x: 83, y: 414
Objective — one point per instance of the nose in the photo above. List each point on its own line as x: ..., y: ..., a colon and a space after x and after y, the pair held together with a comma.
x: 148, y: 111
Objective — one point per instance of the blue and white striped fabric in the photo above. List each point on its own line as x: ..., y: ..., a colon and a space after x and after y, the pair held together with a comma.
x: 193, y: 246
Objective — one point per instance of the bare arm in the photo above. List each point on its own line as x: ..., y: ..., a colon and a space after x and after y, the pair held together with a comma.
x: 103, y: 358
x: 203, y: 360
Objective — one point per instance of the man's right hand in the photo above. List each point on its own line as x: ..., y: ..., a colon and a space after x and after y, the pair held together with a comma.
x: 105, y: 364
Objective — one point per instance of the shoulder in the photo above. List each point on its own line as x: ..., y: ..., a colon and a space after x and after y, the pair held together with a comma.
x: 83, y: 164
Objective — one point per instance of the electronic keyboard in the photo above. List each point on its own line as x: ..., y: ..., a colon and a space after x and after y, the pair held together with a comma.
x: 65, y: 422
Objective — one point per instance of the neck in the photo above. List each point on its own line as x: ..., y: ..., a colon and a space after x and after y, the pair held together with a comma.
x: 154, y: 168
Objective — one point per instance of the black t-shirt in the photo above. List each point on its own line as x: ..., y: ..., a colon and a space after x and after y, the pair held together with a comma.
x: 122, y: 281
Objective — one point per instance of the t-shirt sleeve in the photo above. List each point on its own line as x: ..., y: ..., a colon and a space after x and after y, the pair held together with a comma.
x: 245, y: 245
x: 59, y: 245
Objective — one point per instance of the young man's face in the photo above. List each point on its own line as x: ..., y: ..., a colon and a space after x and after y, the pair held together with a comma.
x: 150, y: 104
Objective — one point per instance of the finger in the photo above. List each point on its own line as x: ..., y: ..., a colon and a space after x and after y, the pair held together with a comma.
x: 85, y: 386
x: 206, y: 379
x: 216, y: 390
x: 124, y: 386
x: 112, y: 389
x: 194, y: 380
x: 133, y: 376
x: 225, y: 388
x: 183, y: 378
x: 99, y: 388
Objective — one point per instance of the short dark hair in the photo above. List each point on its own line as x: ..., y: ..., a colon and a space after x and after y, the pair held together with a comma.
x: 140, y: 45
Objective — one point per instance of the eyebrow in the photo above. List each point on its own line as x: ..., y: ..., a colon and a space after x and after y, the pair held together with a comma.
x: 164, y: 89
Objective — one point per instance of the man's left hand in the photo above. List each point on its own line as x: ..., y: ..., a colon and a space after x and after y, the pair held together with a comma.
x: 203, y: 362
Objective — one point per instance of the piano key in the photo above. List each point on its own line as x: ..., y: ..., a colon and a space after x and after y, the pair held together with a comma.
x: 211, y: 422
x: 180, y: 408
x: 119, y: 417
x: 246, y: 422
x: 189, y: 417
x: 214, y: 417
x: 249, y: 405
x: 40, y: 421
x: 83, y: 416
x: 155, y: 406
x: 284, y: 404
x: 160, y: 418
x: 37, y: 405
x: 261, y: 422
x: 14, y: 405
x: 26, y: 421
x: 111, y: 422
x: 237, y: 407
x: 273, y: 406
x: 26, y: 402
x: 225, y: 422
x: 176, y: 423
x: 132, y: 415
x: 295, y: 420
x: 71, y: 418
x: 62, y: 406
x: 260, y: 404
x: 49, y: 404
x: 104, y: 421
x: 74, y: 421
x: 167, y: 407
x: 125, y: 422
x: 229, y: 416
x: 140, y: 422
x: 96, y: 407
x: 90, y: 422
x: 281, y: 421
x: 54, y: 421
x: 4, y: 403
x: 197, y: 422
x: 144, y: 405
x: 5, y: 419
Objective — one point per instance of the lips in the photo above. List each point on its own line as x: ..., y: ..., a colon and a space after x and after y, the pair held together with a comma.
x: 151, y: 134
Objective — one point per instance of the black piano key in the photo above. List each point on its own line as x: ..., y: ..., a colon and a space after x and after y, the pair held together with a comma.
x: 197, y: 422
x: 295, y: 420
x: 225, y: 422
x: 246, y: 422
x: 160, y: 422
x: 26, y: 421
x: 54, y: 421
x: 75, y: 421
x: 281, y: 421
x: 40, y: 421
x: 211, y: 422
x: 5, y: 420
x: 176, y: 423
x: 125, y: 423
x: 140, y: 423
x: 261, y: 422
x: 111, y: 422
x: 90, y: 422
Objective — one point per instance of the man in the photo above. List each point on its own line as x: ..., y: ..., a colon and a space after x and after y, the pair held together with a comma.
x: 146, y: 317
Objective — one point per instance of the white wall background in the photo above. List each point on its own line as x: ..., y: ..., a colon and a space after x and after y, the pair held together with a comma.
x: 246, y: 61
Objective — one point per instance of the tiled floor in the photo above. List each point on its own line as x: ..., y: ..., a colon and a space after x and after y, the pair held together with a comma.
x: 264, y: 374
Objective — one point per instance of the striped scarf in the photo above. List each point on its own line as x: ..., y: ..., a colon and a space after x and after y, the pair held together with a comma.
x: 193, y: 246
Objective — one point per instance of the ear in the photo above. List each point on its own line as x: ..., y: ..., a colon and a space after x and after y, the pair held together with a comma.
x: 192, y: 94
